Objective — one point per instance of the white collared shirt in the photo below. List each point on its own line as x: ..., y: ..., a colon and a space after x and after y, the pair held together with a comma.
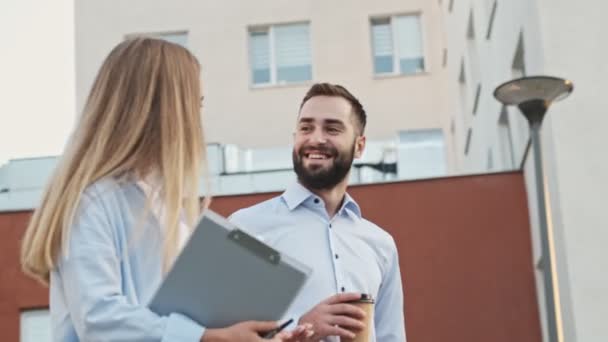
x: 347, y: 254
x: 158, y: 209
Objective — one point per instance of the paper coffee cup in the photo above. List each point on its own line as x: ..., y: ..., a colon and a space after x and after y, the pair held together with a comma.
x: 366, y: 303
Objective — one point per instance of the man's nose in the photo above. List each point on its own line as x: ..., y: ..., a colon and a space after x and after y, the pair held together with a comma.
x: 318, y: 137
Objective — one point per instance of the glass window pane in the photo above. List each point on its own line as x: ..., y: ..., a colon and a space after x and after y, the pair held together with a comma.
x: 259, y: 57
x: 180, y: 38
x: 409, y: 44
x: 293, y: 56
x: 421, y: 154
x: 261, y: 76
x: 411, y: 65
x: 383, y: 64
x: 35, y: 326
x: 382, y: 44
x: 294, y: 73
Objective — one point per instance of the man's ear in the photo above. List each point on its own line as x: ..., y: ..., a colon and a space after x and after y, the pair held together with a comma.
x: 359, y: 146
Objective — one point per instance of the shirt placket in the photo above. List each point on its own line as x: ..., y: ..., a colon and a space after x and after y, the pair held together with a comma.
x: 333, y: 248
x: 335, y: 255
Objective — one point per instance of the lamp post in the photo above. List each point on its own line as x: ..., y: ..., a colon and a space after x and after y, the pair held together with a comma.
x: 533, y: 95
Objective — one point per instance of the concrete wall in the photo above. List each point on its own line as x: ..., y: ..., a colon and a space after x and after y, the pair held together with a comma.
x: 487, y: 61
x: 575, y: 140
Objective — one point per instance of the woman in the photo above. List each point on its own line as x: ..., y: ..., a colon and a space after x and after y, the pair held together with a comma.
x: 123, y: 200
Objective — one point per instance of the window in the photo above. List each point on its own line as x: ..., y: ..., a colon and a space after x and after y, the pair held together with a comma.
x: 472, y: 46
x: 491, y: 6
x: 463, y: 89
x: 397, y: 45
x: 421, y: 154
x: 519, y: 124
x: 467, y: 145
x: 280, y: 54
x: 473, y: 54
x: 35, y: 326
x: 490, y: 160
x: 180, y: 38
x: 477, y: 98
x: 518, y: 67
x: 505, y: 140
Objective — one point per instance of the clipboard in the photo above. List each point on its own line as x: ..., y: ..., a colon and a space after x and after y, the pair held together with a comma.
x: 225, y: 276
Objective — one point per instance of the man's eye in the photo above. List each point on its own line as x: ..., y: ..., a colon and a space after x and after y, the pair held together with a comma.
x: 305, y: 128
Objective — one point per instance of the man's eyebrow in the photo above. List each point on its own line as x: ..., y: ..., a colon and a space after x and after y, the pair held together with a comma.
x: 334, y: 122
x: 306, y: 120
x: 325, y: 121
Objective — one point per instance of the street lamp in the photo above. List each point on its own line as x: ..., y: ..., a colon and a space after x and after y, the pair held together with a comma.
x: 533, y: 95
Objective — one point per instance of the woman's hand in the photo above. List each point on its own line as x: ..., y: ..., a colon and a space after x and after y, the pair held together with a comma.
x: 300, y: 334
x: 250, y: 331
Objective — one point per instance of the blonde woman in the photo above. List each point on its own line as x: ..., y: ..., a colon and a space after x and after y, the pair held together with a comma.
x: 123, y: 200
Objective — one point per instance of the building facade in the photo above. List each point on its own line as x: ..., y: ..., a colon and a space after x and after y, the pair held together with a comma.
x: 492, y: 41
x: 259, y: 58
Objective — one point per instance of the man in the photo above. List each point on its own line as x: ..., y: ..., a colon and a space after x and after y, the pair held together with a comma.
x: 318, y: 223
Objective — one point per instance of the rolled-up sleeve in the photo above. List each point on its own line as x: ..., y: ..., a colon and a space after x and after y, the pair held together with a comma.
x: 91, y: 279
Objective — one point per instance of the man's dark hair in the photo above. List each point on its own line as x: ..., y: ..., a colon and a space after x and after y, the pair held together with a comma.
x: 327, y: 89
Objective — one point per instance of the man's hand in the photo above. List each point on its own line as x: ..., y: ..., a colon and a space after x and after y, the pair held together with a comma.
x: 334, y: 317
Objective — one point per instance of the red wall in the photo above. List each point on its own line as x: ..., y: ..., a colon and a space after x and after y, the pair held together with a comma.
x: 465, y: 256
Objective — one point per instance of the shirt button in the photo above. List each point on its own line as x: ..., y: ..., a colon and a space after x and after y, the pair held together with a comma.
x: 343, y: 289
x: 336, y: 256
x: 317, y: 200
x: 330, y: 225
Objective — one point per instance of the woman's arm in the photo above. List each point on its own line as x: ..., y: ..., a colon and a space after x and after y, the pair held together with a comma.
x: 91, y: 280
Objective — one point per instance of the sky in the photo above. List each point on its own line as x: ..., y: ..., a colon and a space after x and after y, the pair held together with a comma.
x: 37, y: 77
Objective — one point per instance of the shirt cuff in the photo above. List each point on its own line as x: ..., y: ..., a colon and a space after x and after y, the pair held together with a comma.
x: 181, y: 328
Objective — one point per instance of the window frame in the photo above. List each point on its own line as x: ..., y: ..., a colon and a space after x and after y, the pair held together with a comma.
x: 397, y: 72
x: 269, y: 30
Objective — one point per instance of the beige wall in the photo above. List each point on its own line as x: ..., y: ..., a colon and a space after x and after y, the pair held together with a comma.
x: 237, y: 113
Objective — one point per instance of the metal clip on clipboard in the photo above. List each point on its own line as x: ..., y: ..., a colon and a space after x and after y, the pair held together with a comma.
x: 255, y: 246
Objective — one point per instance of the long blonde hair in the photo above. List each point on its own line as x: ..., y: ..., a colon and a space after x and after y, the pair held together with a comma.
x: 142, y: 115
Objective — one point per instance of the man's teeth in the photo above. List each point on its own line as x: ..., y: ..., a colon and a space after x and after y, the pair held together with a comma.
x: 317, y: 156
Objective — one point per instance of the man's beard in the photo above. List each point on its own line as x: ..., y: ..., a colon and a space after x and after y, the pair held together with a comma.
x: 319, y: 177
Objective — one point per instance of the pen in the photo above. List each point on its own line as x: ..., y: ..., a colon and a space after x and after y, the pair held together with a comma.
x: 277, y: 330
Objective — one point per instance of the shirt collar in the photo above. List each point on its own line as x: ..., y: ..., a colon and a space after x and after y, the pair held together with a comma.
x: 296, y: 194
x: 351, y: 206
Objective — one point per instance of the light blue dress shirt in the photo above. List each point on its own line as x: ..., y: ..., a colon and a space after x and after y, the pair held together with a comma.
x: 99, y: 291
x: 347, y: 254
